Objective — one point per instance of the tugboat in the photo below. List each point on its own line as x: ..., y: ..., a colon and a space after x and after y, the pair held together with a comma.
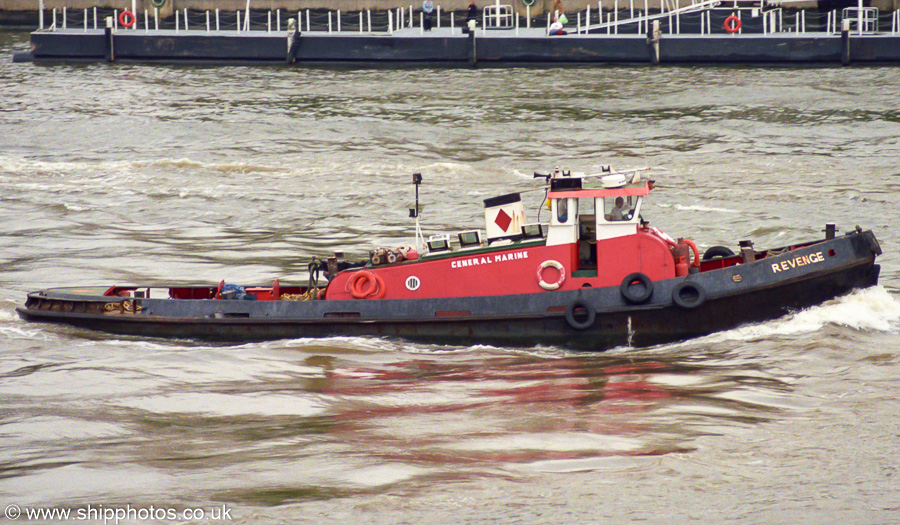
x: 595, y: 276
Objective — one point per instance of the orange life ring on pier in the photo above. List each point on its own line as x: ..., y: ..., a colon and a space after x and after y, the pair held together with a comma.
x: 540, y: 275
x: 127, y: 19
x: 732, y: 24
x: 365, y: 284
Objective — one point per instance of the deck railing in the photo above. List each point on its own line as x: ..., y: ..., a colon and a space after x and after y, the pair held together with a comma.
x: 615, y: 17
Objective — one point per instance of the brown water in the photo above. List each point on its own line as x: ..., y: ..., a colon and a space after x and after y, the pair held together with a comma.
x: 131, y: 174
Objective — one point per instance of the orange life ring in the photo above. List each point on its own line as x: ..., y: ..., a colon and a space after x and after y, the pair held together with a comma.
x: 365, y: 284
x: 540, y: 275
x: 732, y: 24
x: 131, y: 19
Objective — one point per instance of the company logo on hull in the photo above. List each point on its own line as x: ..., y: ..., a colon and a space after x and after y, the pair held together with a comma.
x: 488, y: 259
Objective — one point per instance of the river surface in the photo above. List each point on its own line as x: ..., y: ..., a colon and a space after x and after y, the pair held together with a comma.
x: 161, y: 174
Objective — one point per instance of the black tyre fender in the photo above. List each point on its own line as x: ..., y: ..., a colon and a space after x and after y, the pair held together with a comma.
x: 585, y: 306
x: 630, y: 293
x: 689, y: 295
x: 717, y: 251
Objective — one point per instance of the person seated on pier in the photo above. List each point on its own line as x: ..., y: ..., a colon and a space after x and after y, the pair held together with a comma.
x: 556, y: 28
x: 427, y: 8
x: 621, y: 212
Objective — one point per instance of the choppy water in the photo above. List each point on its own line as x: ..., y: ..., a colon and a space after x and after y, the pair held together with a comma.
x: 118, y: 174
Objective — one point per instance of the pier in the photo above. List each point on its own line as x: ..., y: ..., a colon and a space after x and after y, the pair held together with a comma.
x: 614, y: 31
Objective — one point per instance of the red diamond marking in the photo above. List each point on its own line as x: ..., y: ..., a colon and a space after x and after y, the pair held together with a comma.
x: 503, y: 220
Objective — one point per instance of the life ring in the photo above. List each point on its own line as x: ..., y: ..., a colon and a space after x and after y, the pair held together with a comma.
x: 629, y: 292
x: 157, y: 3
x: 580, y: 305
x: 364, y: 284
x: 528, y: 2
x: 127, y: 19
x: 732, y: 24
x: 540, y: 275
x: 717, y: 251
x: 689, y: 295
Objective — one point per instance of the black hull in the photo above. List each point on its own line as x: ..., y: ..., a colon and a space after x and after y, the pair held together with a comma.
x: 733, y: 296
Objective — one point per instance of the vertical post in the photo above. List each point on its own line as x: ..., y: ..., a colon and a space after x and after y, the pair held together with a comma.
x: 410, y: 17
x: 156, y: 18
x: 110, y: 47
x: 653, y: 41
x: 278, y: 19
x: 616, y: 11
x: 630, y: 8
x: 86, y: 19
x: 207, y: 21
x: 307, y: 21
x: 587, y: 18
x: 452, y: 23
x: 186, y: 19
x: 528, y: 16
x: 439, y: 15
x: 329, y: 21
x: 177, y: 23
x: 390, y: 22
x: 845, y: 41
x: 859, y: 15
x: 65, y: 13
x: 134, y: 12
x: 421, y: 23
x: 95, y: 18
x: 237, y: 13
x: 269, y: 22
x: 247, y: 17
x: 360, y: 21
x: 578, y: 26
x: 217, y: 19
x: 338, y: 20
x: 369, y: 16
x: 146, y: 21
x: 41, y: 15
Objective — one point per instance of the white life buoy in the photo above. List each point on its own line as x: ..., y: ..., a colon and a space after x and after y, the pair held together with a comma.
x: 540, y: 275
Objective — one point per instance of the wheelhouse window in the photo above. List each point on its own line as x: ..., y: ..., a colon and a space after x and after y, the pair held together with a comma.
x: 618, y: 209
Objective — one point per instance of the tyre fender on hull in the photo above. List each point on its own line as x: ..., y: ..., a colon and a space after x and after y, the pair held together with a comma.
x: 636, y: 288
x: 580, y: 314
x: 689, y: 295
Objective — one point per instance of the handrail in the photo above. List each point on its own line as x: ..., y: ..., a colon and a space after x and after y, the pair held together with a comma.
x: 700, y: 6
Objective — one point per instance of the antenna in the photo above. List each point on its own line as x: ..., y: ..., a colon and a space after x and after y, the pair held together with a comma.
x: 414, y: 212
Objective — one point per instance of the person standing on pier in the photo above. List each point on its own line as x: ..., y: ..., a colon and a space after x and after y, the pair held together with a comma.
x: 427, y: 9
x: 471, y: 11
x: 558, y: 12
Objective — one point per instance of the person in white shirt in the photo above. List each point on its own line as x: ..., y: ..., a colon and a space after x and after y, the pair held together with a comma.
x: 556, y: 28
x: 620, y: 212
